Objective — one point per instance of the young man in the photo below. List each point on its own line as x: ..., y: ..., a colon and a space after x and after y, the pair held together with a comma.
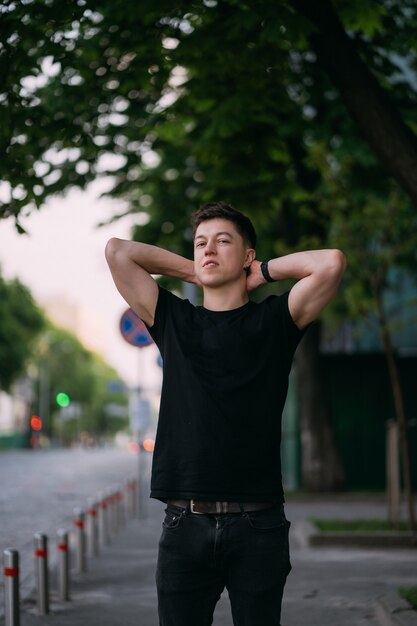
x: 217, y: 455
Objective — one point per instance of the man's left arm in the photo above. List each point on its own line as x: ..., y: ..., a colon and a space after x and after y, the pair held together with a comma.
x: 318, y: 274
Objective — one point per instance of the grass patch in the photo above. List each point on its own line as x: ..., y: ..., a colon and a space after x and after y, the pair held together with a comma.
x: 409, y: 594
x: 355, y: 525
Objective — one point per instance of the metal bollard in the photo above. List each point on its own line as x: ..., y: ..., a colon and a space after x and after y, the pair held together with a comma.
x: 116, y: 506
x: 121, y: 517
x: 41, y: 572
x: 131, y: 487
x: 129, y: 503
x: 393, y: 473
x: 109, y: 510
x: 63, y: 564
x: 92, y: 543
x: 141, y: 484
x: 11, y: 587
x: 135, y: 496
x: 79, y: 522
x: 113, y: 509
x: 103, y: 533
x: 108, y: 515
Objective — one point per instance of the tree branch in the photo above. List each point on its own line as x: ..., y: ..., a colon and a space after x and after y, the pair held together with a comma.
x: 379, y: 120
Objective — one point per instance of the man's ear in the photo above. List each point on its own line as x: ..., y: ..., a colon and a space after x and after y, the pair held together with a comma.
x: 250, y: 256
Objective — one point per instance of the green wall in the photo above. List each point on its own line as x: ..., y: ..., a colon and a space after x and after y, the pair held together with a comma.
x: 360, y: 397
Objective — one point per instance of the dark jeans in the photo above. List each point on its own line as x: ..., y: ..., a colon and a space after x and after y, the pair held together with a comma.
x: 200, y: 555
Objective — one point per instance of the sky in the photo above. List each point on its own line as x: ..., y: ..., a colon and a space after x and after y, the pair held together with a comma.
x: 63, y: 254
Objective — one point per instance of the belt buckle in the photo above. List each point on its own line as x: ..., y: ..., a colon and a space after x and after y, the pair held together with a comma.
x: 221, y: 507
x: 192, y: 503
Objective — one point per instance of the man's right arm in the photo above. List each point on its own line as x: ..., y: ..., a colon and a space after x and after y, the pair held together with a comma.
x: 132, y: 263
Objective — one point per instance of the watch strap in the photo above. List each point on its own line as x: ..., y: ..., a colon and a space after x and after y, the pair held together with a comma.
x: 265, y: 271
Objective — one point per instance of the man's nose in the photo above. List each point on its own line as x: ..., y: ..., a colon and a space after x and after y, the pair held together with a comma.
x: 210, y: 247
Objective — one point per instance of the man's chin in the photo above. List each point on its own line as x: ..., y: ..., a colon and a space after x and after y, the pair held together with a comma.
x: 212, y: 281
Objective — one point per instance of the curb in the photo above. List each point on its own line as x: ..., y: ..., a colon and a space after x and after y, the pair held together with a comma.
x: 359, y: 539
x: 309, y: 535
x: 392, y: 610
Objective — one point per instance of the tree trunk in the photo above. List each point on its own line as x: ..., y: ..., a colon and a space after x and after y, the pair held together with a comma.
x: 379, y: 121
x: 321, y: 466
x: 399, y: 406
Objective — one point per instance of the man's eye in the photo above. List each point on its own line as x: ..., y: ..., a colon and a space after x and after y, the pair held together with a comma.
x: 199, y: 244
x: 224, y: 241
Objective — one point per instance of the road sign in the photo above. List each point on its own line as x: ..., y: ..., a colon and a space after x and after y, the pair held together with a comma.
x: 116, y: 386
x: 134, y: 330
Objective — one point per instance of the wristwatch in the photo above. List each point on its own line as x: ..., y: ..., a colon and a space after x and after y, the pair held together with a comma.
x: 265, y: 271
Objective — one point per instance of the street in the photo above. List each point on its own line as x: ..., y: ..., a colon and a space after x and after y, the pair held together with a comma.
x: 40, y: 489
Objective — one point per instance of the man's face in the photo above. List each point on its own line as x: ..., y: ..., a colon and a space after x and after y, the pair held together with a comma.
x: 220, y: 254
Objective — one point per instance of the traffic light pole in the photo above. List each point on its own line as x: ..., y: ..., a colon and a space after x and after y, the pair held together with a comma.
x: 44, y: 395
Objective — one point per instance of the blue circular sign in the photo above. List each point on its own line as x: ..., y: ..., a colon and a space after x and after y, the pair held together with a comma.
x: 134, y: 330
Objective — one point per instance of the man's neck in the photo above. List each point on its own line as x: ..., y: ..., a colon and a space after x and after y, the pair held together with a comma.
x: 225, y: 298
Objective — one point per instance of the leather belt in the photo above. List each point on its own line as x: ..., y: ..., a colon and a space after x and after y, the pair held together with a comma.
x: 202, y: 507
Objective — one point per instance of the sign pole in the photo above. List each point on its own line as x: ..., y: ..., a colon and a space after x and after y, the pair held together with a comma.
x: 142, y: 425
x: 135, y: 332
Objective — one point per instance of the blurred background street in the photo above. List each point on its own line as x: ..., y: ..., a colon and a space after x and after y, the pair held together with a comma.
x: 41, y: 489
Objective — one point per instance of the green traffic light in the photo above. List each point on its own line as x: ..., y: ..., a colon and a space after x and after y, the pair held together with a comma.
x: 62, y: 399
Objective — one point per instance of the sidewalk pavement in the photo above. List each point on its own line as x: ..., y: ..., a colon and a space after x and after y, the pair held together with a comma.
x: 327, y: 586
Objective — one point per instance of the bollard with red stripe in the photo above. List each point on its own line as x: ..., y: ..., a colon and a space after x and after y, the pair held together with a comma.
x: 11, y: 587
x: 121, y: 517
x: 40, y: 542
x: 103, y: 532
x: 128, y: 499
x: 79, y: 523
x: 92, y: 543
x: 63, y: 564
x: 115, y: 509
x: 135, y: 496
x: 131, y: 493
x: 112, y: 502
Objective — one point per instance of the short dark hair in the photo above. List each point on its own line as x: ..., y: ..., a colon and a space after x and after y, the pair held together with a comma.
x: 211, y: 210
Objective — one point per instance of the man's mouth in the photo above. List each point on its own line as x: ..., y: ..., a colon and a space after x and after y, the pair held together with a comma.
x: 209, y: 264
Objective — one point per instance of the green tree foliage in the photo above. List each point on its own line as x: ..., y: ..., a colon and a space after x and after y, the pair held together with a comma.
x: 99, y: 419
x: 67, y: 366
x: 21, y: 321
x: 231, y: 97
x: 345, y: 59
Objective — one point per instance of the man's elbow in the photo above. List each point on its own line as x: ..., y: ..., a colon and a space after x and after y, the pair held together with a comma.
x: 112, y: 249
x: 335, y: 266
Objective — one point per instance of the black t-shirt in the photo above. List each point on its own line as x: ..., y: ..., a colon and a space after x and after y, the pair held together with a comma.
x: 225, y: 380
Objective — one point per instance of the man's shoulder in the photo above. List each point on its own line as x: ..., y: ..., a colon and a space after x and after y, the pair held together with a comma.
x: 171, y: 305
x: 173, y: 298
x: 274, y: 303
x: 277, y: 299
